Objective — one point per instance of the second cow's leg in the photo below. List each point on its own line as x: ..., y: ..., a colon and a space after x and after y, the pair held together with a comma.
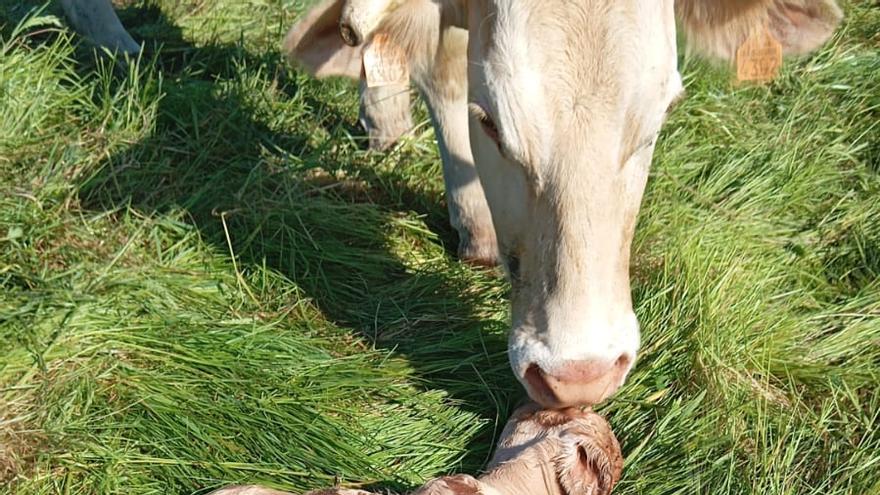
x: 445, y: 91
x: 97, y: 21
x: 385, y: 114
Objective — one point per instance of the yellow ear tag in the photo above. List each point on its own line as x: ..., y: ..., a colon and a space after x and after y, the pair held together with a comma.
x: 385, y: 62
x: 759, y: 57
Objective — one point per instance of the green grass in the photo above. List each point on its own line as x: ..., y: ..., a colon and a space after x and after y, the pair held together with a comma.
x: 205, y: 278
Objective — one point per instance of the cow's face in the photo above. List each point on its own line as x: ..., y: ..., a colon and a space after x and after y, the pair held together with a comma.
x: 567, y: 99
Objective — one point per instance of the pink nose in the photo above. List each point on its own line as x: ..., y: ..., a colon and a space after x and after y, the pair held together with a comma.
x: 576, y: 383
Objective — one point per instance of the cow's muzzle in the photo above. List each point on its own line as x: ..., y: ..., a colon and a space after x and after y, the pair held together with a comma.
x: 576, y: 383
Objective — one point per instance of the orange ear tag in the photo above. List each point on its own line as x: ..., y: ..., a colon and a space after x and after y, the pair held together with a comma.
x: 385, y: 62
x: 759, y: 57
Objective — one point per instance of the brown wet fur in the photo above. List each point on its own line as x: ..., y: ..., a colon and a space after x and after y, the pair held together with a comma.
x: 569, y: 451
x: 577, y: 443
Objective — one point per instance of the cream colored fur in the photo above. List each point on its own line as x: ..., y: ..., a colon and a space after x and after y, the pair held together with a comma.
x: 315, y: 44
x: 718, y: 28
x: 436, y: 50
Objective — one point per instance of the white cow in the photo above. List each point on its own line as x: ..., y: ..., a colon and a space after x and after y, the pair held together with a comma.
x: 385, y: 111
x: 547, y: 113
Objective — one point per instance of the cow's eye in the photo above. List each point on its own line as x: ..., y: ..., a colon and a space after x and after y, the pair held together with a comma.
x: 487, y: 123
x: 490, y: 128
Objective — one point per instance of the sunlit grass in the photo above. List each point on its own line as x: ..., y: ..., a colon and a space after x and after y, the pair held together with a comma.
x: 206, y: 279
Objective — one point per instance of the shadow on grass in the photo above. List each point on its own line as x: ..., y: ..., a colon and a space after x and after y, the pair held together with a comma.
x: 299, y: 198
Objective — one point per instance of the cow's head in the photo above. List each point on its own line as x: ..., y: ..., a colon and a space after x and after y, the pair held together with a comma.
x: 567, y: 98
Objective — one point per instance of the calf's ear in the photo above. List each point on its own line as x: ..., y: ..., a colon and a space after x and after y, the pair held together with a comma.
x: 315, y: 43
x: 590, y: 460
x: 718, y: 27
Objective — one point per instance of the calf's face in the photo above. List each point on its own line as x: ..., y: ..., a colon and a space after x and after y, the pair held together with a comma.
x: 567, y: 99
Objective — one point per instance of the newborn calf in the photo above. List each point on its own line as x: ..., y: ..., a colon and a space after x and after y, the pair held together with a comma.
x: 541, y: 452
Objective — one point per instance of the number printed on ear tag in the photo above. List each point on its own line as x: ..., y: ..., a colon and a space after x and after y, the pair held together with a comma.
x: 385, y: 62
x: 759, y: 57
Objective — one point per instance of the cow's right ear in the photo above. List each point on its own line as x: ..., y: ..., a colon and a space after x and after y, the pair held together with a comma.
x: 315, y: 43
x: 719, y: 28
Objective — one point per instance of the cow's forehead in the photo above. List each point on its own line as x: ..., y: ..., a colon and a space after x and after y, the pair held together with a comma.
x: 554, y: 65
x: 591, y: 49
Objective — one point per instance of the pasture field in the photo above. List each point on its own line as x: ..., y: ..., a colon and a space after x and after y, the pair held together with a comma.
x: 206, y: 278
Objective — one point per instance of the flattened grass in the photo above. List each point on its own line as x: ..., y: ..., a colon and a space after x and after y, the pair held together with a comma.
x: 206, y: 279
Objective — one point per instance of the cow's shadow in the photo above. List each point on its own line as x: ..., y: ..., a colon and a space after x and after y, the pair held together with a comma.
x: 290, y: 196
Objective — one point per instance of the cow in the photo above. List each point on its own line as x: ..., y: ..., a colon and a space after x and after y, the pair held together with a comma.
x: 546, y: 114
x: 385, y: 111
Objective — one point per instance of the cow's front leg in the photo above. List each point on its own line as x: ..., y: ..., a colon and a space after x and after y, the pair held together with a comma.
x: 97, y: 21
x: 385, y: 113
x: 445, y: 91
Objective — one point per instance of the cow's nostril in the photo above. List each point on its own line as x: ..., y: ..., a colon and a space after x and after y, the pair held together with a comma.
x: 349, y: 35
x: 538, y: 387
x: 576, y: 383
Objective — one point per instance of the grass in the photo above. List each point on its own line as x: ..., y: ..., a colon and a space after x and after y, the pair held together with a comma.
x: 206, y: 279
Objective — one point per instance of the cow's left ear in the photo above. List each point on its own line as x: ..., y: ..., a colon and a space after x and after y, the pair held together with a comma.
x: 315, y: 43
x: 718, y: 28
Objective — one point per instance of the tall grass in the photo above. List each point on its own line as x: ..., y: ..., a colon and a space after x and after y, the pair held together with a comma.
x: 206, y: 279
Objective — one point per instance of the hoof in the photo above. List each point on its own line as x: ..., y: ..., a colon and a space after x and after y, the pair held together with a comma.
x: 120, y: 42
x: 483, y: 253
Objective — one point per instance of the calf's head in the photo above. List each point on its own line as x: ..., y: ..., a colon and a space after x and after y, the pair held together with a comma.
x: 566, y: 100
